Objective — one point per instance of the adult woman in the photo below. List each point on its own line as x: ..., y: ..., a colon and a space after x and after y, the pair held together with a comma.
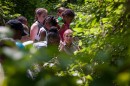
x: 24, y: 22
x: 37, y: 27
x: 67, y: 45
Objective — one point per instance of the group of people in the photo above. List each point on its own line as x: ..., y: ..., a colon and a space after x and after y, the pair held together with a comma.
x: 43, y: 25
x: 46, y: 33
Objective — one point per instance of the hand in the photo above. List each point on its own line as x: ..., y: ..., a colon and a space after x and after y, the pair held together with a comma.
x: 61, y: 46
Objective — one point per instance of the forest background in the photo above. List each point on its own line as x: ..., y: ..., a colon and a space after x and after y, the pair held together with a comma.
x: 103, y: 27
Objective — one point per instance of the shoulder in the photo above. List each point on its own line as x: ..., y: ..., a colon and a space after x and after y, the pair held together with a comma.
x: 34, y: 28
x: 34, y: 25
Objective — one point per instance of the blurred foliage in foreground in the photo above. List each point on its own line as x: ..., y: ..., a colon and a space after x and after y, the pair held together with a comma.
x: 103, y: 29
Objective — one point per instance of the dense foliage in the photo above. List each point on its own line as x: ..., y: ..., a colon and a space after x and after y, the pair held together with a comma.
x: 104, y: 60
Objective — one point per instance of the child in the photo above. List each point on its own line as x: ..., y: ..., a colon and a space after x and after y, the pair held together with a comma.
x: 59, y: 14
x: 40, y: 15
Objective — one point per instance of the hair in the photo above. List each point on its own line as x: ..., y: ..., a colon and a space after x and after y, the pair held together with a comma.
x: 68, y: 13
x: 53, y: 33
x: 22, y: 19
x: 51, y: 20
x: 53, y: 29
x: 61, y: 9
x: 39, y: 11
x: 68, y: 31
x: 15, y: 24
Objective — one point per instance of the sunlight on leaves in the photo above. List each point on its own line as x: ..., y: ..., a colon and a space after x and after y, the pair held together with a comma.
x: 79, y: 82
x: 89, y: 77
x: 123, y: 77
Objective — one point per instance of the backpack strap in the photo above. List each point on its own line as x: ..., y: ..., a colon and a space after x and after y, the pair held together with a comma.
x: 39, y: 26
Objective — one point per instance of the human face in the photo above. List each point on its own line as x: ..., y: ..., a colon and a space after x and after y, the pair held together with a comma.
x: 42, y: 17
x: 59, y: 13
x: 47, y: 25
x: 68, y: 38
x: 68, y: 20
